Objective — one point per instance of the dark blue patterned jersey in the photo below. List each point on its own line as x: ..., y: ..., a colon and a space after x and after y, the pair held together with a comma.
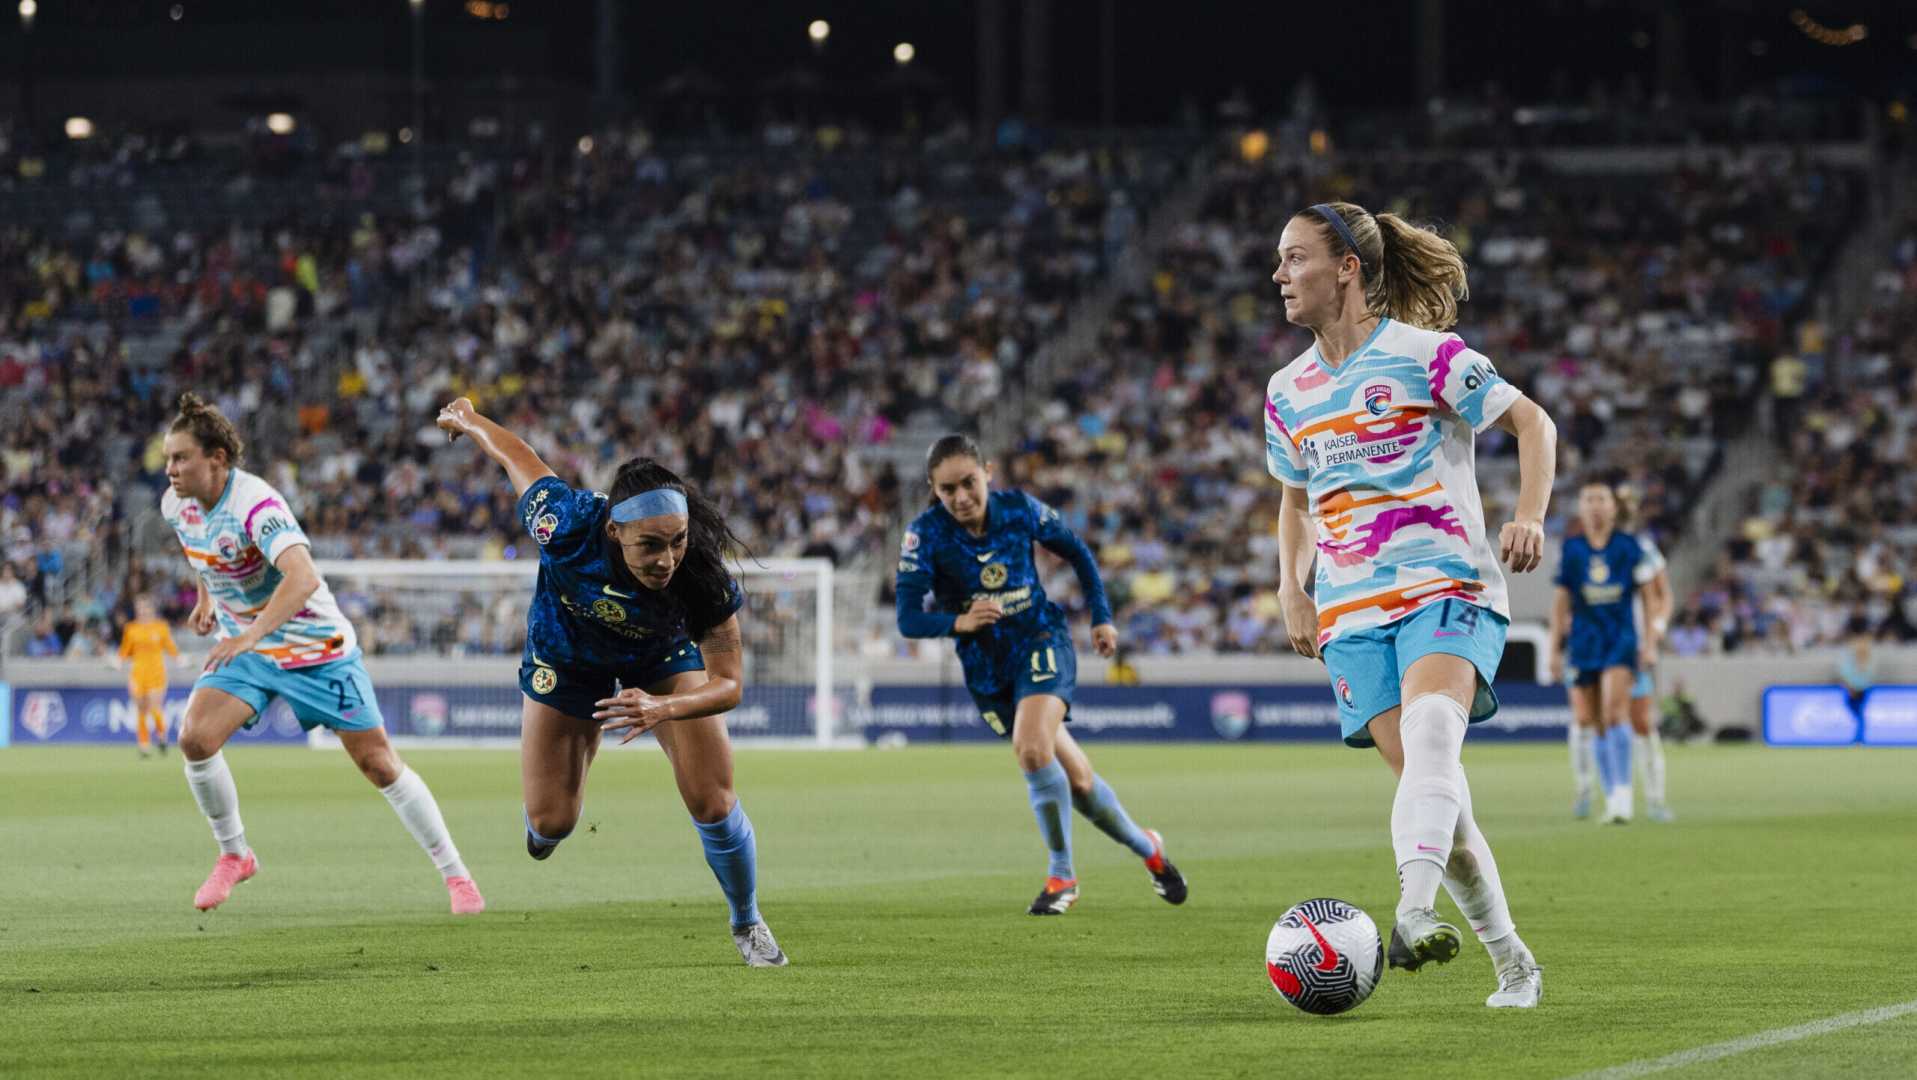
x: 587, y: 613
x: 941, y: 558
x: 1603, y: 582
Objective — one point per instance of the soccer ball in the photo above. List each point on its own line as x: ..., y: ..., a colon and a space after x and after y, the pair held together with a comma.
x: 1324, y: 956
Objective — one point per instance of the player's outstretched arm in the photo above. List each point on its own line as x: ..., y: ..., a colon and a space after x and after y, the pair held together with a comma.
x: 1521, y: 541
x: 522, y: 464
x: 299, y: 580
x: 1061, y: 541
x: 636, y: 712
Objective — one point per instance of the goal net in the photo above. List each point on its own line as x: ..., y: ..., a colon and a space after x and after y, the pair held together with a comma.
x: 442, y: 640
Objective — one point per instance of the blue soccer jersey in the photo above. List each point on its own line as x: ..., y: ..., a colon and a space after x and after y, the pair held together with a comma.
x: 1603, y: 584
x: 588, y: 614
x: 941, y: 558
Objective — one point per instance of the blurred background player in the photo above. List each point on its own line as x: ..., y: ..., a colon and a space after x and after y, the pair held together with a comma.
x: 280, y: 635
x: 972, y: 552
x: 148, y: 643
x: 1652, y: 617
x: 1371, y: 433
x: 1592, y: 619
x: 633, y: 627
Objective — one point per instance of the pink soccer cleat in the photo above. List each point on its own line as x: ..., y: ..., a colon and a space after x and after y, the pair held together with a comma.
x: 229, y: 871
x: 465, y: 894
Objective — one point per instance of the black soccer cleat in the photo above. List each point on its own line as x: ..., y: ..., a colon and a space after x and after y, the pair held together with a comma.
x: 1057, y: 897
x: 1420, y: 939
x: 1166, y: 880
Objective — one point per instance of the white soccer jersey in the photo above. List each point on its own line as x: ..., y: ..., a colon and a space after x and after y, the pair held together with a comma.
x: 233, y: 545
x: 1384, y: 445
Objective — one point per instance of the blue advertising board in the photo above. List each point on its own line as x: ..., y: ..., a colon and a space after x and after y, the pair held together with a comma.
x: 1809, y: 716
x: 1187, y: 713
x: 68, y: 714
x: 1890, y: 716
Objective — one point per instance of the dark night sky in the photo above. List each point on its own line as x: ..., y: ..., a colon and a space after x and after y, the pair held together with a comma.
x: 1360, y: 53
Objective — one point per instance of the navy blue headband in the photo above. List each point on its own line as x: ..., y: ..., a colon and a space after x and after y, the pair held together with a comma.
x: 1337, y: 223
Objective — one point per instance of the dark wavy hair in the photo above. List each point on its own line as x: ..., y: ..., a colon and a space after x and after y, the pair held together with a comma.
x: 209, y: 427
x: 950, y: 446
x: 699, y: 583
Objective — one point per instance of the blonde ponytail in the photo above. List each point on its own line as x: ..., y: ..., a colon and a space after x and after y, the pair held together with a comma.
x: 1411, y: 273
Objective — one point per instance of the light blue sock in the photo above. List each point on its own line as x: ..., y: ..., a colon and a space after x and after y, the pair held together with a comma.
x: 1051, y: 795
x: 1102, y: 808
x: 1605, y: 761
x: 1621, y: 754
x: 733, y: 853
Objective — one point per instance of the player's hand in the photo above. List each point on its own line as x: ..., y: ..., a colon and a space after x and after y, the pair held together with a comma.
x: 1556, y: 668
x: 455, y: 417
x: 201, y: 621
x: 1647, y: 656
x: 1301, y: 621
x: 226, y: 650
x: 983, y: 613
x: 1521, y: 545
x: 1105, y: 639
x: 633, y: 711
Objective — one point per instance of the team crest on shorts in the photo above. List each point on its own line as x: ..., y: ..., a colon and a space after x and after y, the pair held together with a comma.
x: 992, y: 577
x: 1344, y: 692
x: 609, y: 611
x: 544, y: 679
x: 544, y: 526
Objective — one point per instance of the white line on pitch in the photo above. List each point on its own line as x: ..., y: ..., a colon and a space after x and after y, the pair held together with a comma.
x: 1700, y: 1054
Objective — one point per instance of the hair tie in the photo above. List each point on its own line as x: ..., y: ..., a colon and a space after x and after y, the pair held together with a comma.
x: 655, y: 503
x: 1337, y: 223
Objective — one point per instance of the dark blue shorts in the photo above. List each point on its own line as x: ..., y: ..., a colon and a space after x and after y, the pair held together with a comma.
x: 577, y: 690
x: 1589, y: 660
x: 1045, y: 664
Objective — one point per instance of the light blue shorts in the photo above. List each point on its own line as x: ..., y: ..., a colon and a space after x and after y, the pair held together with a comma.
x: 338, y: 694
x: 1368, y: 667
x: 1645, y: 686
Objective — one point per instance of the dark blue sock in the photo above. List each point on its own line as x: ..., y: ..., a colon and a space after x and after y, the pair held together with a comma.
x: 1051, y: 798
x: 1102, y: 808
x: 733, y: 853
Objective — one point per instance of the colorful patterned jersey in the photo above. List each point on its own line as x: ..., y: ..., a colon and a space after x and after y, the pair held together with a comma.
x: 233, y: 545
x: 1383, y: 445
x: 585, y: 615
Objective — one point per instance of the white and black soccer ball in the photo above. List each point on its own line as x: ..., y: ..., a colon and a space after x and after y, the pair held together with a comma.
x: 1324, y: 956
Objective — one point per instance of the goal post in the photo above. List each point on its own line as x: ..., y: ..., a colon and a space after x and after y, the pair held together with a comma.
x: 443, y: 638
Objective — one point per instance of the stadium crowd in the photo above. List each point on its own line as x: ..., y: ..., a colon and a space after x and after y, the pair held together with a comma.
x: 759, y: 317
x: 1828, y: 549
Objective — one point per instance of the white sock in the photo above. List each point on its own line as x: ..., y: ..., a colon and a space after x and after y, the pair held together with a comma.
x: 1583, y: 759
x: 1507, y: 949
x: 1650, y: 756
x: 212, y: 785
x: 413, y: 801
x: 1471, y: 877
x: 1424, y: 814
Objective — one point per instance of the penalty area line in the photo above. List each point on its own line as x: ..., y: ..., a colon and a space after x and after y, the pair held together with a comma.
x: 1700, y: 1054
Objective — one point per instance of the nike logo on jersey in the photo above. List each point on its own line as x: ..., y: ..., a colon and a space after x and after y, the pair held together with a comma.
x: 987, y: 557
x: 1042, y: 678
x: 610, y: 591
x: 1328, y: 962
x: 1446, y: 633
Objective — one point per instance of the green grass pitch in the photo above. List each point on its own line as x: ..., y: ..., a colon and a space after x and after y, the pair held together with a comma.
x: 897, y: 881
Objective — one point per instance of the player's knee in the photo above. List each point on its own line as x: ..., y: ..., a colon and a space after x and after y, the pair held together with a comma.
x: 381, y: 766
x: 710, y: 806
x: 553, y: 822
x: 195, y: 744
x: 1033, y: 757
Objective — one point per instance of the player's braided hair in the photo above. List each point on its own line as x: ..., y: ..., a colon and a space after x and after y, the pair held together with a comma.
x: 1411, y: 273
x: 212, y: 430
x: 700, y: 582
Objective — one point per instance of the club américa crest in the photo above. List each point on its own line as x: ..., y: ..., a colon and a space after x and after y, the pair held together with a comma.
x: 544, y: 679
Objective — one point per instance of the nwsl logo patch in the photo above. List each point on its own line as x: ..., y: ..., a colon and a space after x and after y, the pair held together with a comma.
x: 1378, y: 398
x: 1344, y: 691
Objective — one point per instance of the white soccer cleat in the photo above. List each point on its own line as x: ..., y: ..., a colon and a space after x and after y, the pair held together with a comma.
x: 1617, y: 807
x: 1520, y: 986
x: 757, y: 947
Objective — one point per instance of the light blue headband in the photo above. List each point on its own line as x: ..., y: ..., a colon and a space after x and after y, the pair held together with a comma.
x: 654, y: 503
